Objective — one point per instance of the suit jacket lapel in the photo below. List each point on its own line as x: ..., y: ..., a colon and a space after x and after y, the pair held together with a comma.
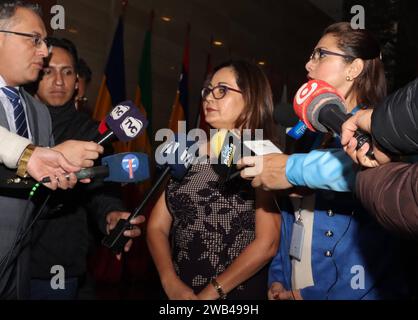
x: 3, y: 118
x: 32, y: 117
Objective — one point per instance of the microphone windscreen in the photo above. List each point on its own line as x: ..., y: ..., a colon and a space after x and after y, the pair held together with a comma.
x: 175, y: 154
x: 126, y: 121
x: 305, y: 96
x: 217, y: 141
x: 127, y: 167
x: 314, y: 108
x: 231, y: 151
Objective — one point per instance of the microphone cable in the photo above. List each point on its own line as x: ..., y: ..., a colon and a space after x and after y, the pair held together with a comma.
x: 21, y: 234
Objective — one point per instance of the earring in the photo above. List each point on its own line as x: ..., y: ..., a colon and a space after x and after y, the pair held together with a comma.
x: 348, y: 78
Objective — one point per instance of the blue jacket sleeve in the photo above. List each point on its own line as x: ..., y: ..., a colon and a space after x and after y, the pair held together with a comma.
x: 329, y: 169
x: 276, y: 273
x: 313, y: 293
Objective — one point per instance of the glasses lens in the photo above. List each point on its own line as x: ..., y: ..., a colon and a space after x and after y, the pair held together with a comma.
x: 315, y: 55
x: 219, y: 92
x: 205, y: 92
x: 37, y: 41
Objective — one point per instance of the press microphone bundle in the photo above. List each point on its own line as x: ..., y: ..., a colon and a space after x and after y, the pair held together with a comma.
x: 321, y: 108
x: 174, y: 158
x: 229, y: 148
x: 125, y: 167
x: 124, y: 123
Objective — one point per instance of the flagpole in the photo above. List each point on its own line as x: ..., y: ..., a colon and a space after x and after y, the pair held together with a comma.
x: 124, y: 4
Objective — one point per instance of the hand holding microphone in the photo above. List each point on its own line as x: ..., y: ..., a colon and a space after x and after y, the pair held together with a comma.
x: 321, y: 108
x: 361, y: 120
x: 113, y: 218
x: 124, y: 123
x: 80, y: 153
x: 230, y: 148
x: 124, y: 167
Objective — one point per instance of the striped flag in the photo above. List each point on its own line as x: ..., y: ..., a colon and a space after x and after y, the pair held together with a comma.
x: 180, y: 107
x: 112, y: 90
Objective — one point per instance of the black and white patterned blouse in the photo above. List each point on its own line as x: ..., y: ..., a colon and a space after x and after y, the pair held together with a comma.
x: 213, y: 222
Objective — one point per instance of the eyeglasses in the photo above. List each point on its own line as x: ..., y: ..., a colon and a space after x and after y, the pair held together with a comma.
x: 36, y: 39
x: 320, y: 53
x: 218, y: 92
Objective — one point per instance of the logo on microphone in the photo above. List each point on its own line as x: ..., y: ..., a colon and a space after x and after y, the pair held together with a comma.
x: 169, y: 148
x: 305, y: 91
x: 228, y: 154
x: 187, y: 158
x: 130, y: 164
x: 131, y: 126
x: 119, y: 111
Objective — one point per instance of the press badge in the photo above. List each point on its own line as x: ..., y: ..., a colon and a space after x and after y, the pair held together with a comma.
x: 296, y: 243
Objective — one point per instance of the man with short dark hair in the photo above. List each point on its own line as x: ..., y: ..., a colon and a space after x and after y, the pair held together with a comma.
x: 60, y: 237
x: 22, y: 51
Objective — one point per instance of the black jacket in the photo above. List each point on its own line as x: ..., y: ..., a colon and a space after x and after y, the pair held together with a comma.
x: 60, y: 237
x: 395, y: 121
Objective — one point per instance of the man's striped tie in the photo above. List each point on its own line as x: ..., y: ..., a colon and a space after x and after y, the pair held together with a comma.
x: 19, y: 112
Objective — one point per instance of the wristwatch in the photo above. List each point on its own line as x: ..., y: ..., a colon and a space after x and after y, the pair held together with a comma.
x: 22, y: 164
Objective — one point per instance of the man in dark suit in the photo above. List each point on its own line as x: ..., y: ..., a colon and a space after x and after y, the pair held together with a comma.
x: 22, y: 50
x: 60, y: 236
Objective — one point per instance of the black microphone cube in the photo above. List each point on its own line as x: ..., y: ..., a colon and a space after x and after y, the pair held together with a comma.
x: 116, y: 241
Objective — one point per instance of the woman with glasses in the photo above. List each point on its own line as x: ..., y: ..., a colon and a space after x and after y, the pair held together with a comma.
x: 330, y: 247
x: 210, y: 239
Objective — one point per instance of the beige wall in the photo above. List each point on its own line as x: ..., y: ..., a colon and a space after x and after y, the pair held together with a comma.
x: 280, y: 32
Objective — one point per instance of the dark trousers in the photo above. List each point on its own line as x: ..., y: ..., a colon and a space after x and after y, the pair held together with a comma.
x: 40, y: 289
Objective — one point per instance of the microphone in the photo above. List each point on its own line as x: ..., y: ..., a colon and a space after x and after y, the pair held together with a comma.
x: 174, y: 158
x: 321, y: 108
x: 123, y: 123
x: 227, y: 147
x: 230, y: 148
x: 122, y: 167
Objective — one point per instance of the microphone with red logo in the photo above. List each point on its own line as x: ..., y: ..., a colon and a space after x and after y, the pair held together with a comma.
x: 123, y: 123
x: 321, y: 108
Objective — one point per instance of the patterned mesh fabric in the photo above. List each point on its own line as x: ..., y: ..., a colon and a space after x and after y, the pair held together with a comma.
x: 213, y: 222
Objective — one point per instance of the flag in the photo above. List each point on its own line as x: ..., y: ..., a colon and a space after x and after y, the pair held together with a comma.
x: 143, y: 99
x: 180, y: 107
x: 112, y: 90
x: 200, y: 119
x: 143, y: 94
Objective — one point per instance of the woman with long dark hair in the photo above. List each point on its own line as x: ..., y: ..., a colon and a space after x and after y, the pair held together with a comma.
x: 331, y: 248
x: 210, y: 241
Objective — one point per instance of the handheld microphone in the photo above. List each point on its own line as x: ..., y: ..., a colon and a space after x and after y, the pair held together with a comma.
x: 230, y: 148
x: 321, y: 108
x: 122, y: 167
x: 174, y: 158
x: 124, y: 123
